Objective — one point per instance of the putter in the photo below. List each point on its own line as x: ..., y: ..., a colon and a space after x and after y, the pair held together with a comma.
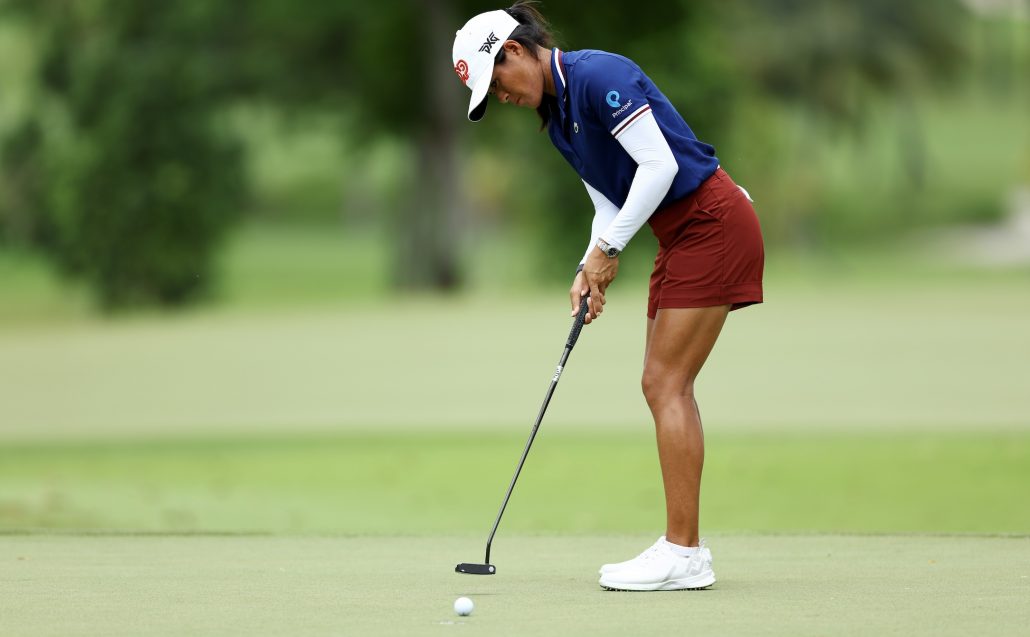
x: 577, y: 326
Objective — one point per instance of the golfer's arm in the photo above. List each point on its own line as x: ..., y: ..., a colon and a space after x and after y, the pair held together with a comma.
x: 656, y: 169
x: 604, y: 212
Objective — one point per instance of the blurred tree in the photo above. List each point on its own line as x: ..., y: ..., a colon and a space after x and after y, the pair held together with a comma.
x: 130, y: 180
x: 23, y: 188
x: 834, y: 54
x: 137, y: 184
x: 119, y: 68
x: 832, y: 57
x: 831, y: 60
x: 387, y: 66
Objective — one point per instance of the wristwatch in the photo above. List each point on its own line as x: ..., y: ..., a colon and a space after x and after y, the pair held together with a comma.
x: 609, y: 250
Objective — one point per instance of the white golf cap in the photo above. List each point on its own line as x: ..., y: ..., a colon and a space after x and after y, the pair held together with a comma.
x: 475, y: 47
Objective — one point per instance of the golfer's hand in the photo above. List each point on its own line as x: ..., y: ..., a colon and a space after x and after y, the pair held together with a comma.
x: 595, y: 284
x: 599, y: 271
x: 579, y: 289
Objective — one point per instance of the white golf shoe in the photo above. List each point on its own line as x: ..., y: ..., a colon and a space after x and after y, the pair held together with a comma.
x: 659, y: 569
x: 610, y: 568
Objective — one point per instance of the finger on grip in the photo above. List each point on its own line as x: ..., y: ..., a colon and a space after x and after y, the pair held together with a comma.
x: 577, y: 325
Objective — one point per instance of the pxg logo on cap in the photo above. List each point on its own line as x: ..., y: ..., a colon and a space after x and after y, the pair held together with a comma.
x: 488, y: 46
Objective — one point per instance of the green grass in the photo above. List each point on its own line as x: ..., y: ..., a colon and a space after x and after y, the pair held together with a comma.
x: 809, y: 585
x: 846, y: 352
x: 282, y: 265
x: 33, y: 292
x: 433, y: 483
x: 264, y: 266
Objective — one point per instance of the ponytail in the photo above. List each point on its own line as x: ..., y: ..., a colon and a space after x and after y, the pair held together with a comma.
x: 533, y: 29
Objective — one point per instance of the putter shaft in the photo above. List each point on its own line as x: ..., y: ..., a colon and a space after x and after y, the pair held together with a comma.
x: 486, y: 568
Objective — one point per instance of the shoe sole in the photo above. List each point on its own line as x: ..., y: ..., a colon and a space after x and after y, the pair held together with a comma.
x: 696, y: 583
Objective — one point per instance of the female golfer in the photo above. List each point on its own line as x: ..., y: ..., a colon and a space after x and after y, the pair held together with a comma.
x: 640, y: 163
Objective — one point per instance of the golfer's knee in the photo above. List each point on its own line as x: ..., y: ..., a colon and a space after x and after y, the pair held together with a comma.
x: 661, y: 384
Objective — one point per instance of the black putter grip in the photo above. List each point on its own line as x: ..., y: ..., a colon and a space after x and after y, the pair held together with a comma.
x: 577, y: 326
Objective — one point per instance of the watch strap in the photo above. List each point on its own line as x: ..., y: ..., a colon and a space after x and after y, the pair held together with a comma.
x: 609, y: 250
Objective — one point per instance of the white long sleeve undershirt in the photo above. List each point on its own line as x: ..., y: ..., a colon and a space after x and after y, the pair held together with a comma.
x: 656, y: 169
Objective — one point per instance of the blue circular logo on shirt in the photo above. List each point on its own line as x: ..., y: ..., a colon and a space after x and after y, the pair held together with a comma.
x: 613, y: 99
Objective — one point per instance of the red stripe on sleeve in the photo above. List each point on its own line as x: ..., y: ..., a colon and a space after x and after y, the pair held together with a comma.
x: 621, y: 127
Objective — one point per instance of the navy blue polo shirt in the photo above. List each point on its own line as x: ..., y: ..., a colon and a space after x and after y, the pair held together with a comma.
x: 599, y: 95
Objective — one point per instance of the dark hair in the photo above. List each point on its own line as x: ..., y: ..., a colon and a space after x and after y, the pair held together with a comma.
x: 533, y: 31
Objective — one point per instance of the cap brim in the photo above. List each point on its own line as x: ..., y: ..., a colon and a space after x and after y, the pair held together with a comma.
x: 477, y: 104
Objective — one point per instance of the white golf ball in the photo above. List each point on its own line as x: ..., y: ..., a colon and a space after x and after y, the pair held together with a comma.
x: 463, y: 606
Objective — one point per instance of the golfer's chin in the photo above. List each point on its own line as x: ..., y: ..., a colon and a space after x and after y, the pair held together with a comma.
x: 527, y: 102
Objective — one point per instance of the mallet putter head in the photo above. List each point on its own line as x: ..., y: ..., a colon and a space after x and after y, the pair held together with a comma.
x: 475, y: 569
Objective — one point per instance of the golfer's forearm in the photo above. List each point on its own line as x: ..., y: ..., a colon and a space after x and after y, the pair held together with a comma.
x: 604, y: 212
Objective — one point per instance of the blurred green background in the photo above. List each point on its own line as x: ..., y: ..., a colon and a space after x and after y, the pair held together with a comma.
x: 257, y: 272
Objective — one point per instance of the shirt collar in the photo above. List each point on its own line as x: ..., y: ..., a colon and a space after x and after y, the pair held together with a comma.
x: 558, y: 71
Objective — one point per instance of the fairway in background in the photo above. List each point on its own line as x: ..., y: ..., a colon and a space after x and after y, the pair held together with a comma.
x: 431, y: 483
x: 861, y: 345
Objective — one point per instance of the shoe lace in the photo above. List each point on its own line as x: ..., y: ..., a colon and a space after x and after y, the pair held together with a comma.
x: 701, y: 546
x: 647, y: 553
x: 650, y: 551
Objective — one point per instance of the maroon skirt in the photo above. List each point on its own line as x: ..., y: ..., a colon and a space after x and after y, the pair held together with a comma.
x: 710, y: 249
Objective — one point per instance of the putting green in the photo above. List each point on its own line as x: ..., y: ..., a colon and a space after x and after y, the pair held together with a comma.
x: 790, y: 585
